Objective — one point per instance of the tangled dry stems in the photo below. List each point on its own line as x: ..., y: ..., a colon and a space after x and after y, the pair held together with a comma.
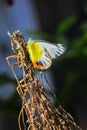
x: 37, y: 112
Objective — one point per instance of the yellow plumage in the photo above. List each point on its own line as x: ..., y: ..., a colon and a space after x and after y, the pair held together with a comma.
x: 42, y: 53
x: 35, y: 51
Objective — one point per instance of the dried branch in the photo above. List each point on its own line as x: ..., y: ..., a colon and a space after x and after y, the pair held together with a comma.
x: 37, y: 112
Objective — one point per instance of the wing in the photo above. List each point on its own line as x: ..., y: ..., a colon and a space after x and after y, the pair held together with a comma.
x: 50, y: 51
x: 45, y: 61
x: 54, y: 50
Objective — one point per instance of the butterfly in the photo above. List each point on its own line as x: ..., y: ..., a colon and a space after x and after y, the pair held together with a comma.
x: 42, y: 53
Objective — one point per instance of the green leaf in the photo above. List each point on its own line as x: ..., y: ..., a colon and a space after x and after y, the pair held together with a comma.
x: 65, y: 25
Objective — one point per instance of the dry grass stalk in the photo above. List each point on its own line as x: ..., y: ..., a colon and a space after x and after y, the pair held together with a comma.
x: 37, y: 113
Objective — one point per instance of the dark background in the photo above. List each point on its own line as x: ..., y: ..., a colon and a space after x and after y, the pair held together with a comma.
x: 64, y: 22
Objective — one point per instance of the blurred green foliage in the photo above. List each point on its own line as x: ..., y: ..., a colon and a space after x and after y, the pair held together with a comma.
x: 70, y: 70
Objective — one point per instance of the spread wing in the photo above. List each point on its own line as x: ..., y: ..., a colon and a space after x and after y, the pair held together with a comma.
x: 50, y: 52
x: 54, y: 50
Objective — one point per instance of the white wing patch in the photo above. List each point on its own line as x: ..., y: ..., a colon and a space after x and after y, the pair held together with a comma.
x: 46, y: 59
x: 54, y: 50
x: 50, y: 52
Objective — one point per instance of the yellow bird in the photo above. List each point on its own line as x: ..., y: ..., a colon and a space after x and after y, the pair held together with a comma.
x: 42, y: 53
